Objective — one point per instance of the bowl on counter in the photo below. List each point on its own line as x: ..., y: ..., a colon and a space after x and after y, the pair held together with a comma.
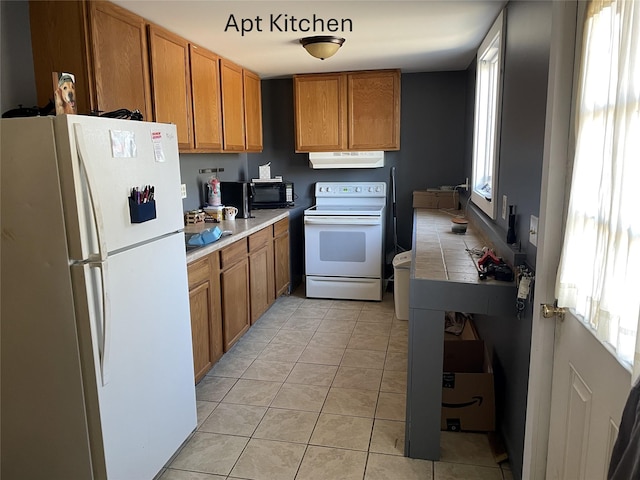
x: 459, y: 225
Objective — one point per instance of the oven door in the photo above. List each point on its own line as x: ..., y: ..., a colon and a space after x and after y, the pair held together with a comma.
x: 343, y: 246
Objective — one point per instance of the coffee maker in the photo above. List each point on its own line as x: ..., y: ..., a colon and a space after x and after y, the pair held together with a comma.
x: 239, y: 195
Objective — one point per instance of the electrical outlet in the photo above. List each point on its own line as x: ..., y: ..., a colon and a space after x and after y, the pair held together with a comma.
x: 504, y: 207
x: 533, y: 231
x: 464, y: 185
x: 183, y: 191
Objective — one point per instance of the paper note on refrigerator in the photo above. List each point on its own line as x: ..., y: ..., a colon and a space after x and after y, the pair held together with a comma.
x: 158, y: 152
x: 123, y: 144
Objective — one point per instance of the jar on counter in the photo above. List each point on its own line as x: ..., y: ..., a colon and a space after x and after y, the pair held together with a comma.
x: 214, y: 194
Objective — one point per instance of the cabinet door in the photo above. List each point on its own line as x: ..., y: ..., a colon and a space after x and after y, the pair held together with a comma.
x: 235, y: 302
x: 374, y: 110
x: 261, y: 273
x: 320, y: 112
x: 53, y: 31
x: 171, y: 82
x: 200, y: 305
x: 206, y: 323
x: 281, y: 256
x: 205, y: 89
x: 120, y: 59
x: 232, y: 106
x: 252, y: 111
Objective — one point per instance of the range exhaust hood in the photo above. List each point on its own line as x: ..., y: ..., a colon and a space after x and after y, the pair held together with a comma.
x: 373, y: 159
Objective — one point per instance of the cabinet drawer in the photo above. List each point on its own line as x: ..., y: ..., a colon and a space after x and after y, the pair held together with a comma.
x: 198, y: 272
x: 258, y: 239
x: 234, y: 252
x: 281, y: 227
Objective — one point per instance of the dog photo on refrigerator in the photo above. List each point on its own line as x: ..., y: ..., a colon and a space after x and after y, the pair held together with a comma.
x: 64, y: 93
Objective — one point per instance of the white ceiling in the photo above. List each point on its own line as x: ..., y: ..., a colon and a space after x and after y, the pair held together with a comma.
x: 415, y: 36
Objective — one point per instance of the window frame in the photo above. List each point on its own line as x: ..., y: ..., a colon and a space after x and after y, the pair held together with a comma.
x: 488, y: 206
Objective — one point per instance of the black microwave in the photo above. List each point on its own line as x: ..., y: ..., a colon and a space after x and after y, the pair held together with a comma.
x: 272, y: 195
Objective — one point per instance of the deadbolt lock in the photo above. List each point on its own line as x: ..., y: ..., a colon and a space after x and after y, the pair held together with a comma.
x: 549, y: 311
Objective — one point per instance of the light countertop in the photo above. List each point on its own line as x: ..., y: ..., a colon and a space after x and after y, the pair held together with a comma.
x: 440, y: 254
x: 241, y: 228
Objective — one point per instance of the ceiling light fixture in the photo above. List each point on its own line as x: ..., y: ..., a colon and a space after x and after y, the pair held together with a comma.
x: 322, y: 46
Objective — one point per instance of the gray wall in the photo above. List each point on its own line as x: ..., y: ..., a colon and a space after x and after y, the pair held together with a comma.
x: 431, y: 151
x: 523, y: 113
x: 234, y: 165
x: 520, y: 174
x: 16, y: 73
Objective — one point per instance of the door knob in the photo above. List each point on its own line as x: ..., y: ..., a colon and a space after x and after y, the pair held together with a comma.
x: 549, y: 311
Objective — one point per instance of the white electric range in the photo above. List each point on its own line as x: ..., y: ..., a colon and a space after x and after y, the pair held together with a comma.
x: 344, y: 241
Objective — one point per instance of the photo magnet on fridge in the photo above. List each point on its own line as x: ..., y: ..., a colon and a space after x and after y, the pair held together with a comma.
x: 64, y: 85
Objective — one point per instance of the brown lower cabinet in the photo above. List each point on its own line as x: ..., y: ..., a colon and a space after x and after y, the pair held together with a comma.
x: 281, y: 256
x: 234, y: 285
x: 231, y: 288
x: 261, y: 272
x: 206, y: 321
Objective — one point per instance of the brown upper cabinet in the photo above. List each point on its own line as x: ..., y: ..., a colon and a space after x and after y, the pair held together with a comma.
x: 216, y: 105
x: 205, y: 88
x: 103, y: 45
x: 171, y: 83
x: 191, y: 100
x: 374, y: 110
x: 233, y: 126
x: 347, y: 111
x: 320, y: 103
x: 252, y: 111
x: 122, y: 61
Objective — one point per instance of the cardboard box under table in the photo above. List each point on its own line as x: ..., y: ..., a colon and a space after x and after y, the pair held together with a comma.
x: 468, y: 399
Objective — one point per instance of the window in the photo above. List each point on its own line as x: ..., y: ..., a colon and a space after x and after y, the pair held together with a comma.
x: 486, y: 132
x: 599, y: 274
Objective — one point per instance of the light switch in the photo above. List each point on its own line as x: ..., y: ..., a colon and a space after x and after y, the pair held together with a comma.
x: 183, y: 191
x: 533, y: 231
x: 504, y: 207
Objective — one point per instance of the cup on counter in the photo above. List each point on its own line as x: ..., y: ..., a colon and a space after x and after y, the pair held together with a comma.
x: 230, y: 213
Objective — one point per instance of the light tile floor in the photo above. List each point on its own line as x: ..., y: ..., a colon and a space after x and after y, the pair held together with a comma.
x: 316, y: 389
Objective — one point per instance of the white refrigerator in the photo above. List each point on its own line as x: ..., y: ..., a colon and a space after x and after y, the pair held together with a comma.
x: 96, y: 357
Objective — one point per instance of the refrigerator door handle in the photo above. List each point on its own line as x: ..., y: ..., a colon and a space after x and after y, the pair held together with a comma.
x: 96, y: 209
x: 105, y: 348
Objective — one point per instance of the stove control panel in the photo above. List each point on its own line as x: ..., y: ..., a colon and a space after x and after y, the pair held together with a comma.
x: 351, y: 189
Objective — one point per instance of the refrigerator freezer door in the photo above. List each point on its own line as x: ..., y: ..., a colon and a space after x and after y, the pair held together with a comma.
x: 147, y: 408
x: 44, y: 430
x: 101, y: 160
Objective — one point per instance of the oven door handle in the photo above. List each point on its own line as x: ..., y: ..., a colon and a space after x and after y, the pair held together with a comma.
x: 346, y: 220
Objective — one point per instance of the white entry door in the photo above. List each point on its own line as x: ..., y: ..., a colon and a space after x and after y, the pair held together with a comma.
x: 588, y: 393
x: 577, y: 389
